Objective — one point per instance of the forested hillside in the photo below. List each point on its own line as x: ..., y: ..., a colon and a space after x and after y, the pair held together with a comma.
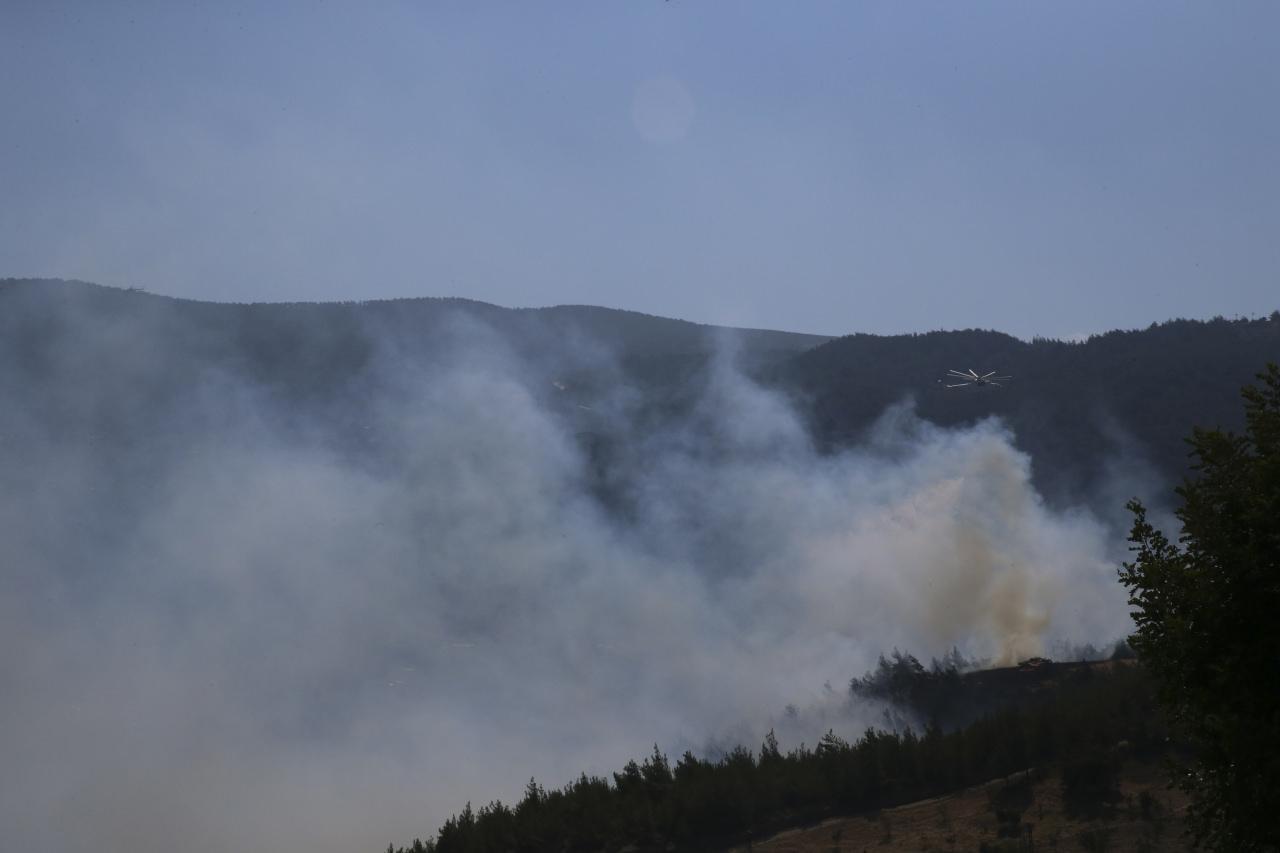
x: 327, y: 518
x: 1114, y: 407
x: 1079, y: 722
x: 1123, y: 400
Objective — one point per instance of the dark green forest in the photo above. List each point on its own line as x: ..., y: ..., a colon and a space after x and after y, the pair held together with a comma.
x: 1082, y: 720
x: 1120, y: 401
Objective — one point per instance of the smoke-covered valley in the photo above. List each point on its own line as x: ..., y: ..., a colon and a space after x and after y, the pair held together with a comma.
x: 242, y: 612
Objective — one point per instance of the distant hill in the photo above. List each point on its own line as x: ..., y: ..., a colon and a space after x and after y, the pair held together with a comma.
x: 1119, y: 403
x: 80, y: 358
x: 329, y: 325
x: 1113, y: 409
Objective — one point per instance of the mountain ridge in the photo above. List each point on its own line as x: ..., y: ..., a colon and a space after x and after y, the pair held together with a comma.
x: 1083, y: 410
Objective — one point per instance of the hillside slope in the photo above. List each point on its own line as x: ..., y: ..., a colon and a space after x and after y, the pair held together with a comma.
x: 1100, y: 418
x: 1117, y: 405
x: 1147, y: 816
x: 1074, y: 751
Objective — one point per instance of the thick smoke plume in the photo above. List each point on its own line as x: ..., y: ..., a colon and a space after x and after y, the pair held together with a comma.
x: 247, y: 631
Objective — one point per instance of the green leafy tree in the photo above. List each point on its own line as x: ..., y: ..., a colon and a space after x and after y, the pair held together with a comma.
x: 1207, y: 612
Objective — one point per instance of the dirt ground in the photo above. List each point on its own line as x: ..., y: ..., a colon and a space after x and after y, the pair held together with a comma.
x: 967, y: 820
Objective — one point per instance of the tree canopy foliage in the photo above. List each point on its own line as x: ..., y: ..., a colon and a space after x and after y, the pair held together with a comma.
x: 1206, y: 618
x: 713, y: 803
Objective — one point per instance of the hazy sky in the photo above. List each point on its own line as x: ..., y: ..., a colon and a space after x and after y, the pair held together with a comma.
x: 822, y: 166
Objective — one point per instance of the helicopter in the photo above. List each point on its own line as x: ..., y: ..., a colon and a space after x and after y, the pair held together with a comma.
x: 970, y: 378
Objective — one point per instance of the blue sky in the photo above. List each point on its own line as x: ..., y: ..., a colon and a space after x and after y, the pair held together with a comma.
x: 1042, y: 168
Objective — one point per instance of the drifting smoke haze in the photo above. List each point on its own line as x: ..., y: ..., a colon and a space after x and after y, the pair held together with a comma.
x: 247, y: 629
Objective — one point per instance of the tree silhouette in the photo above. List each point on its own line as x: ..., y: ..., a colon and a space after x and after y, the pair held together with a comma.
x: 1206, y: 624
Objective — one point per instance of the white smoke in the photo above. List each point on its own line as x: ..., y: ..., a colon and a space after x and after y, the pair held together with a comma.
x: 263, y: 641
